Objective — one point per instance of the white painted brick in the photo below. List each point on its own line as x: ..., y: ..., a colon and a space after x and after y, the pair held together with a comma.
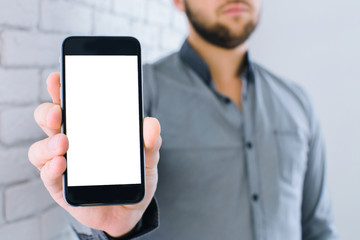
x: 15, y: 166
x: 26, y: 199
x: 54, y: 222
x: 171, y: 40
x: 105, y: 4
x: 158, y: 13
x: 21, y: 48
x: 28, y: 229
x: 37, y: 45
x: 106, y: 24
x: 65, y: 17
x: 19, y: 13
x: 18, y: 124
x: 135, y: 9
x: 147, y: 34
x: 179, y: 22
x: 19, y: 86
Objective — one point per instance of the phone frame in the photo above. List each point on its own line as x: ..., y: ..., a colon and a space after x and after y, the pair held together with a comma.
x: 100, y: 195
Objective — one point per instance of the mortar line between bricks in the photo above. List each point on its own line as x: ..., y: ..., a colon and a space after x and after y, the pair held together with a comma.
x: 12, y: 184
x: 27, y: 67
x: 22, y: 143
x: 39, y: 71
x: 1, y: 46
x: 37, y: 30
x: 44, y: 31
x: 92, y: 30
x: 83, y: 4
x: 129, y: 17
x: 111, y: 13
x: 39, y: 14
x: 51, y: 32
x: 22, y: 219
x: 13, y: 27
x: 7, y: 67
x: 145, y: 18
x: 38, y: 215
x: 112, y: 6
x: 10, y: 106
x: 20, y: 146
x: 125, y: 16
x: 18, y: 105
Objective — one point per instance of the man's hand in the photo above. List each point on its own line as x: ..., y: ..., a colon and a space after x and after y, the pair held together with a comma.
x: 47, y: 156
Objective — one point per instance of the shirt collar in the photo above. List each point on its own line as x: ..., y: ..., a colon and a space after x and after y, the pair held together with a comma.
x: 191, y: 58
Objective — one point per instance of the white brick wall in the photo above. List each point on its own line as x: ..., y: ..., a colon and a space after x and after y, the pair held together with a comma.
x: 105, y: 4
x: 28, y: 229
x: 76, y: 20
x: 110, y: 24
x: 26, y: 13
x: 18, y: 125
x: 21, y: 48
x: 134, y: 9
x: 22, y: 200
x: 159, y: 13
x: 14, y: 160
x: 54, y: 222
x: 19, y: 86
x: 31, y: 33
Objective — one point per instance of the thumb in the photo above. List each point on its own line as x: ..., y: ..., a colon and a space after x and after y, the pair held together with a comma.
x: 152, y: 141
x: 53, y: 86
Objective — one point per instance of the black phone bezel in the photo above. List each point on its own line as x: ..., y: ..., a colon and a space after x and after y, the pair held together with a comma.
x: 103, y: 194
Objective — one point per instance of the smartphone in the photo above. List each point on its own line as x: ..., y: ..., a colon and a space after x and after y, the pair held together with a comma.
x: 102, y: 110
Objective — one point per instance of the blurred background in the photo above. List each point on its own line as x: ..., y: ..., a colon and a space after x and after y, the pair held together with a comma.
x: 315, y: 43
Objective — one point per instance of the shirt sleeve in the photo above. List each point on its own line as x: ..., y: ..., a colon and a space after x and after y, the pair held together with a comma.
x: 317, y: 216
x: 148, y: 223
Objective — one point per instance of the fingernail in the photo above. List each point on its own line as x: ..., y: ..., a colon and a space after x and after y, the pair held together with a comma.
x: 55, y: 108
x: 53, y: 143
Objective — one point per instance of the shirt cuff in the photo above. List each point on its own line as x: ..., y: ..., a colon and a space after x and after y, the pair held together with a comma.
x: 148, y: 223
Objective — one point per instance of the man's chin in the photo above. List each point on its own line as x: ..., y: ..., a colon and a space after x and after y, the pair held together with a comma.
x: 235, y: 27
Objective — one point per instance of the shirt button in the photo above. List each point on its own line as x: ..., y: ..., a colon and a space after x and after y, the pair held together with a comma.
x: 255, y: 197
x: 249, y: 145
x: 227, y: 100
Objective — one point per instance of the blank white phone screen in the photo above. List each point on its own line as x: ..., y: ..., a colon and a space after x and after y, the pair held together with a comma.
x: 102, y: 120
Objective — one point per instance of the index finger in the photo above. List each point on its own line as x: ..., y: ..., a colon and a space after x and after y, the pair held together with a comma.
x: 53, y: 87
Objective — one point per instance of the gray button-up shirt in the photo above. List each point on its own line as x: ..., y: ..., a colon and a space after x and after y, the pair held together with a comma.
x: 224, y: 173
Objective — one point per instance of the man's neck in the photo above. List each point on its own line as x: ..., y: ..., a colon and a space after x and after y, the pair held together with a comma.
x: 224, y: 64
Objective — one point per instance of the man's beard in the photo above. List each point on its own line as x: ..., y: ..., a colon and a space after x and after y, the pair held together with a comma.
x: 219, y: 34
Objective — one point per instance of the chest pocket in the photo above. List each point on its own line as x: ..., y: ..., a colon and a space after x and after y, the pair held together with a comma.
x: 292, y: 153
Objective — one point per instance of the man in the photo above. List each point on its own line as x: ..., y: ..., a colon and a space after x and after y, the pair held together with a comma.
x: 242, y: 155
